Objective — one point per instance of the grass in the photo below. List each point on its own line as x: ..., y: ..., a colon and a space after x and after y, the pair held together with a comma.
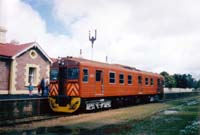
x: 185, y: 122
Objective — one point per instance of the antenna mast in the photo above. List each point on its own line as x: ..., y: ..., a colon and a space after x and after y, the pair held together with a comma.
x: 92, y: 39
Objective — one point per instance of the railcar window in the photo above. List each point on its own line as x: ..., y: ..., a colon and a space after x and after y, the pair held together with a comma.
x: 146, y: 81
x: 85, y: 75
x: 121, y: 78
x: 72, y: 73
x: 158, y: 82
x: 151, y: 81
x: 54, y: 74
x: 98, y: 75
x: 129, y: 79
x: 112, y: 77
x: 163, y: 83
x: 140, y: 79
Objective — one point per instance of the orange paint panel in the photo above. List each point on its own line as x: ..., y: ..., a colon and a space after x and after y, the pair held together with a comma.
x: 53, y: 89
x: 72, y: 89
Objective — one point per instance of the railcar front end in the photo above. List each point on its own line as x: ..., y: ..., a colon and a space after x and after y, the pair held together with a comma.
x: 64, y: 95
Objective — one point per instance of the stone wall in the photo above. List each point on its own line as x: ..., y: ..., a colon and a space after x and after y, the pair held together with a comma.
x: 4, y: 74
x: 26, y: 60
x: 22, y: 108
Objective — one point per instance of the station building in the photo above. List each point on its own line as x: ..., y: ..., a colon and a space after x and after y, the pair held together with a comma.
x: 21, y: 64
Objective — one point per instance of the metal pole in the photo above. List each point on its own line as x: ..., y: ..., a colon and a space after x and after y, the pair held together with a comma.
x: 92, y: 39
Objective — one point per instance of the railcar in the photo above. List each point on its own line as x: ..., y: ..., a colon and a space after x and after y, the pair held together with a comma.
x: 81, y: 83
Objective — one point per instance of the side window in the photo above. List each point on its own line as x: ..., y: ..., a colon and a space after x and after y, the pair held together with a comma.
x: 163, y: 83
x: 112, y: 77
x: 121, y: 78
x: 151, y: 81
x: 85, y: 75
x: 158, y: 82
x: 146, y: 81
x: 129, y: 79
x: 98, y: 75
x: 140, y: 79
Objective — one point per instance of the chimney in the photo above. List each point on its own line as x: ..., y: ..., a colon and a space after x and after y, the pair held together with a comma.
x: 2, y: 34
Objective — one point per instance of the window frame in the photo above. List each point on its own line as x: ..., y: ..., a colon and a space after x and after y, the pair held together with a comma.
x: 112, y: 78
x: 158, y: 82
x: 121, y: 79
x: 100, y: 77
x: 140, y: 79
x: 151, y: 81
x: 54, y: 73
x: 71, y: 70
x: 128, y: 80
x: 37, y: 74
x: 32, y: 75
x: 146, y: 81
x: 85, y: 75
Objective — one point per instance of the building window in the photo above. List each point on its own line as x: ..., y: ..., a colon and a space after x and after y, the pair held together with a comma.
x: 32, y: 72
x: 146, y: 81
x: 85, y: 75
x: 129, y: 79
x: 140, y: 79
x: 151, y: 81
x: 32, y: 75
x: 112, y: 77
x: 121, y: 78
x: 33, y: 54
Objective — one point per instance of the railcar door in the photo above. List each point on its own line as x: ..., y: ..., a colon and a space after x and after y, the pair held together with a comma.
x: 140, y: 87
x: 99, y: 83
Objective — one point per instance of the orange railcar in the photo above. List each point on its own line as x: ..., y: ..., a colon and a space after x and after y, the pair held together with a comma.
x: 94, y: 85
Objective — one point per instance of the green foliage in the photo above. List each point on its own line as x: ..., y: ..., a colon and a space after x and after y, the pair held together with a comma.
x: 180, y: 81
x: 169, y: 80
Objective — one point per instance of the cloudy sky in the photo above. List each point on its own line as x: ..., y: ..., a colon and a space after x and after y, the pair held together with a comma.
x: 152, y: 35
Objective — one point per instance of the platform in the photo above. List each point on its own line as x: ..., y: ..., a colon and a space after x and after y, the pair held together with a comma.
x: 21, y: 106
x: 20, y: 97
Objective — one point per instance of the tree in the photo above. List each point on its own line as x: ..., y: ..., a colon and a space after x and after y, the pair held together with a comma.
x: 169, y: 80
x: 180, y: 81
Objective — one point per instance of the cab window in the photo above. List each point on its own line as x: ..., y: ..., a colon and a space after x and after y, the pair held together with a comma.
x: 54, y: 74
x: 72, y: 73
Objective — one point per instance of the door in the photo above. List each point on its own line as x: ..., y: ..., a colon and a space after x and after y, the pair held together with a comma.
x: 99, y: 84
x: 140, y: 81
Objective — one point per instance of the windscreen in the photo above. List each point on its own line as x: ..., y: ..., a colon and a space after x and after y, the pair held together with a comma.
x: 54, y: 74
x: 72, y: 73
